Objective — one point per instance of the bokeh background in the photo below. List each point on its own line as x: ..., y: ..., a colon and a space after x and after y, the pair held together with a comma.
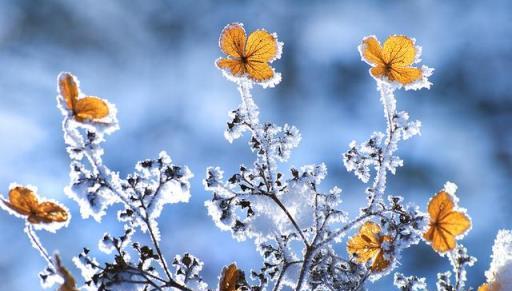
x: 154, y: 60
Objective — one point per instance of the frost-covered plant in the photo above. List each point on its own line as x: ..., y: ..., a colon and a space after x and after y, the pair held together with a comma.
x: 294, y: 224
x: 142, y: 195
x: 23, y: 202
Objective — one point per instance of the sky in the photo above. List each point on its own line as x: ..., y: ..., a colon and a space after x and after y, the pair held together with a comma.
x: 155, y: 61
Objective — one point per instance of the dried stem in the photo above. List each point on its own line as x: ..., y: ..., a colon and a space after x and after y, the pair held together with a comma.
x: 29, y: 229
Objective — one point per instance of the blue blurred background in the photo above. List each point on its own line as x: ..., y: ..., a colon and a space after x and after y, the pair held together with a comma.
x: 154, y: 60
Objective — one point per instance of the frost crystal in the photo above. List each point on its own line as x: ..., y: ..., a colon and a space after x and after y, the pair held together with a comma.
x: 187, y: 272
x: 411, y: 283
x: 499, y: 274
x: 361, y: 157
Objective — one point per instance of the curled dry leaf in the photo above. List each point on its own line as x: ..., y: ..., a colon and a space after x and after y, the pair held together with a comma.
x: 24, y: 202
x: 231, y: 279
x: 89, y: 108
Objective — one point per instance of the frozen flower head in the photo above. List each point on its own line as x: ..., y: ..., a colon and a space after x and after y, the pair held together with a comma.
x: 249, y: 57
x: 447, y: 222
x: 499, y: 275
x: 393, y: 62
x: 23, y: 202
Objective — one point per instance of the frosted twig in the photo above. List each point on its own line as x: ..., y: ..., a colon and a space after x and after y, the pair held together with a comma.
x: 104, y: 172
x: 37, y: 244
x: 388, y: 100
x: 255, y: 128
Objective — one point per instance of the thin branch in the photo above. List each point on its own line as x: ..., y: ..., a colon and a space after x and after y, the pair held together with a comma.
x: 283, y: 271
x: 342, y: 230
x: 458, y: 271
x: 37, y: 244
x: 389, y: 105
x: 360, y: 284
x: 290, y: 217
x: 254, y: 126
x: 163, y: 262
x: 305, y: 267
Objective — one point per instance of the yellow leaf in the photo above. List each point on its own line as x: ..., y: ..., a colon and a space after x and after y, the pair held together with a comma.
x: 235, y: 67
x: 392, y: 61
x: 90, y: 108
x: 48, y: 212
x: 404, y: 75
x: 259, y: 71
x: 372, y: 51
x: 261, y: 47
x: 229, y: 278
x: 24, y: 201
x: 248, y: 56
x: 492, y: 286
x: 399, y: 50
x: 232, y: 40
x: 446, y: 223
x: 366, y: 246
x: 68, y: 88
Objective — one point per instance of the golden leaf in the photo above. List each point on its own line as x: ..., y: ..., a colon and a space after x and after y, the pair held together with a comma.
x: 89, y: 108
x: 393, y: 60
x: 446, y: 223
x: 261, y: 46
x: 229, y: 278
x: 232, y: 40
x: 24, y: 201
x: 492, y: 286
x: 248, y: 56
x: 366, y: 245
x: 68, y: 88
